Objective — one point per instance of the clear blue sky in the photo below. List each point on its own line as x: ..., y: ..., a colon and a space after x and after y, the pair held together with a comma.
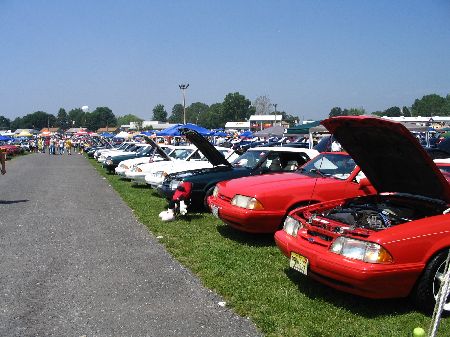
x: 306, y: 56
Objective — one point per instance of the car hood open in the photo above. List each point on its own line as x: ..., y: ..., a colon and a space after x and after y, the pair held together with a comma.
x: 389, y: 155
x: 209, y: 151
x: 157, y: 148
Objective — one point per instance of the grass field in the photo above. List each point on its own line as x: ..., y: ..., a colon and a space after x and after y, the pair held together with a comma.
x: 253, y: 276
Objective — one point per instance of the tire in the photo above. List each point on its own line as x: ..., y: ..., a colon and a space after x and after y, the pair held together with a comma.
x: 205, y: 199
x: 427, y: 287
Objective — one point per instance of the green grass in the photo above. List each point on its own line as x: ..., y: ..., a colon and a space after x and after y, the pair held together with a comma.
x: 253, y: 276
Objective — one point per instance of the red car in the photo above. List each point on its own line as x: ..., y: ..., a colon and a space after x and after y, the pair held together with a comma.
x: 259, y: 204
x: 392, y: 244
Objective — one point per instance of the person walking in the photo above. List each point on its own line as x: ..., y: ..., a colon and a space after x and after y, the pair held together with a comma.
x: 61, y: 146
x: 68, y: 146
x: 3, y: 161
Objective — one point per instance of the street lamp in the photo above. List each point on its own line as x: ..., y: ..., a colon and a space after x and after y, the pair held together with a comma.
x: 183, y: 88
x: 275, y: 106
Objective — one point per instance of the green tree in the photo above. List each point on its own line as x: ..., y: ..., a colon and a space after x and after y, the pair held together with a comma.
x: 5, y: 123
x: 159, y: 114
x: 127, y: 119
x: 406, y: 112
x: 99, y: 118
x: 393, y: 111
x: 77, y: 118
x: 36, y: 120
x: 62, y: 119
x: 236, y: 108
x: 212, y: 118
x: 354, y: 112
x: 445, y: 109
x: 177, y: 114
x: 428, y: 105
x: 336, y: 111
x: 195, y: 111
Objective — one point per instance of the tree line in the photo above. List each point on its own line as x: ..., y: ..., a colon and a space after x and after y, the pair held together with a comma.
x: 235, y: 107
x: 427, y: 106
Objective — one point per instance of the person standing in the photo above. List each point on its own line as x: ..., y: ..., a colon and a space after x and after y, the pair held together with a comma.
x: 3, y: 161
x: 69, y: 146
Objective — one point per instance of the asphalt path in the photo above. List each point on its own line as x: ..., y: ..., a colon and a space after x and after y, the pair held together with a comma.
x: 76, y: 262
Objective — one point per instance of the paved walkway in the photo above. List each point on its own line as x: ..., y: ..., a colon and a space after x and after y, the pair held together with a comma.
x: 75, y: 262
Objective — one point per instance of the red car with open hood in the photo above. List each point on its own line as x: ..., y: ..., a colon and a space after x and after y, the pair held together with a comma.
x: 392, y: 244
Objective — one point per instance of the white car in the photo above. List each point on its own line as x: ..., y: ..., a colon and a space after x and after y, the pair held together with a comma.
x: 183, y: 153
x: 129, y: 164
x: 127, y: 147
x: 158, y: 172
x: 122, y: 146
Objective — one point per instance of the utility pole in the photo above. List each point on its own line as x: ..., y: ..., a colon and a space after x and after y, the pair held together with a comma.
x: 183, y: 88
x: 275, y: 106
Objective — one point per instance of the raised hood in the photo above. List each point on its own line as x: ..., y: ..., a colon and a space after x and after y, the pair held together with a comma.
x: 157, y: 148
x: 389, y: 155
x: 209, y: 151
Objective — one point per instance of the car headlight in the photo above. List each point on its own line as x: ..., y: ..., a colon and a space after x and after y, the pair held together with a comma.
x: 108, y: 162
x: 174, y: 184
x: 246, y: 202
x: 291, y: 226
x: 215, y: 192
x: 125, y: 167
x: 360, y: 250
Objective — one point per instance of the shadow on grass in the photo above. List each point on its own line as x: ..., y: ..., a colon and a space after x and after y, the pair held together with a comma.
x: 8, y: 202
x: 369, y: 308
x: 250, y: 239
x: 140, y: 187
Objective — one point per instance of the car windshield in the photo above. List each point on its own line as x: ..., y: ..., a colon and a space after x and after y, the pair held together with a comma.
x: 249, y: 159
x: 181, y: 154
x: 333, y: 165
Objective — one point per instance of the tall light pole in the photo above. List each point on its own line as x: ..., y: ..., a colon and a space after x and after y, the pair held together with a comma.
x: 183, y: 88
x: 275, y: 106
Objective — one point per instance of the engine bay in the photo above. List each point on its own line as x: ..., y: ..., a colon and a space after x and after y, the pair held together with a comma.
x: 383, y: 211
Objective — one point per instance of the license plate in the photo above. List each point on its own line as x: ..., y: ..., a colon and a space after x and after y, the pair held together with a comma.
x: 299, y: 263
x: 215, y: 210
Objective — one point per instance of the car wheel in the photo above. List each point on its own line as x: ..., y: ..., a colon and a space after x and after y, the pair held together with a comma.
x: 205, y: 199
x: 427, y: 288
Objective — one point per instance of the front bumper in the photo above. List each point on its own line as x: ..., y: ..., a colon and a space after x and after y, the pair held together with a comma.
x: 247, y: 220
x: 353, y: 276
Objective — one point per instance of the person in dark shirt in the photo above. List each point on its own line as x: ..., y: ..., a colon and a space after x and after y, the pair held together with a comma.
x: 3, y: 161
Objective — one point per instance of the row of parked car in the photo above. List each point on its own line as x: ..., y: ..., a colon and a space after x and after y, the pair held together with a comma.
x: 372, y: 221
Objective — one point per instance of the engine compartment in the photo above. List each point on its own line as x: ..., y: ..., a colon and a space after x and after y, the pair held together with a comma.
x: 383, y: 211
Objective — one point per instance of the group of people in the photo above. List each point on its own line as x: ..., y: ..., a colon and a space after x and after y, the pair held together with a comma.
x: 55, y: 146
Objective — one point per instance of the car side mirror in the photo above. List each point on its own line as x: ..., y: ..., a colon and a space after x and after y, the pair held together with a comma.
x: 364, y: 182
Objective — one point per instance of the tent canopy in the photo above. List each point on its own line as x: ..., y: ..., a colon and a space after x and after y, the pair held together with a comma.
x: 302, y: 129
x: 276, y: 130
x: 175, y: 130
x: 107, y: 135
x: 246, y: 134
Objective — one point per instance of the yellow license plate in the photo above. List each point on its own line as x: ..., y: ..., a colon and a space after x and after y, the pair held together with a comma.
x: 299, y: 263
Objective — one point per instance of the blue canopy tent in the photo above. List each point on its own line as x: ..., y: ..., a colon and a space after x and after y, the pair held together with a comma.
x: 5, y: 138
x: 246, y: 134
x: 175, y: 130
x: 107, y: 135
x: 220, y: 134
x: 147, y: 133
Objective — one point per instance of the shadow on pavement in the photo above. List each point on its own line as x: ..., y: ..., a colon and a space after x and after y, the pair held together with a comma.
x: 7, y: 202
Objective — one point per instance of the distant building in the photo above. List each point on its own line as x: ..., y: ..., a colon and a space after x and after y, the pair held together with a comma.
x: 110, y: 129
x: 155, y: 125
x: 237, y: 126
x: 261, y: 122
